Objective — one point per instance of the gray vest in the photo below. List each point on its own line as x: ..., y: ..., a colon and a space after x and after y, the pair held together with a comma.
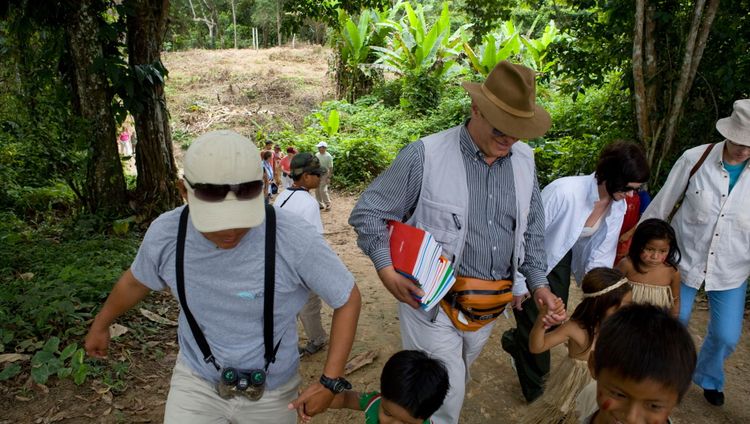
x: 443, y: 203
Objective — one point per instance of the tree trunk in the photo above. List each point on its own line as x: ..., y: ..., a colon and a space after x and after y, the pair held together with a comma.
x: 278, y: 22
x: 234, y: 24
x: 639, y: 84
x: 105, y: 183
x: 699, y: 28
x: 157, y: 172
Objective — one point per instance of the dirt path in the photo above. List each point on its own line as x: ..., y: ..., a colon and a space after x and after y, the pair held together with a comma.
x: 493, y: 396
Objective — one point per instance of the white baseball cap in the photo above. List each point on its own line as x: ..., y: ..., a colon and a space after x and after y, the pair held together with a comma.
x: 223, y: 157
x: 322, y: 144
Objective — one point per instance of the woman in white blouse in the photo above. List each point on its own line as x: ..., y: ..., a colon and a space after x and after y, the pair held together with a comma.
x: 583, y: 217
x: 713, y: 232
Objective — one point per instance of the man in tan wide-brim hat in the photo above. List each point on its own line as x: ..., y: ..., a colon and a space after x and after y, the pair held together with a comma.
x: 474, y: 188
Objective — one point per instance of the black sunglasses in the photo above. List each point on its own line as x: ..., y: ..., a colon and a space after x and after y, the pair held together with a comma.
x: 627, y: 189
x: 217, y: 192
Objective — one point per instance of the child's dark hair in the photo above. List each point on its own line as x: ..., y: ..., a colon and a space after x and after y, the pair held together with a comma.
x: 592, y: 310
x: 642, y: 341
x: 266, y: 154
x: 620, y: 163
x: 653, y: 229
x: 415, y: 382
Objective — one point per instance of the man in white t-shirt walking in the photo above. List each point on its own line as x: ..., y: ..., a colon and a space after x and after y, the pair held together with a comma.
x: 306, y: 172
x: 326, y: 161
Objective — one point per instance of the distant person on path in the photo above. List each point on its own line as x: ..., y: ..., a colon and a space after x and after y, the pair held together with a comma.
x: 284, y: 164
x: 326, y: 161
x: 474, y: 188
x: 277, y: 156
x: 269, y: 183
x: 583, y: 217
x: 238, y: 359
x: 306, y: 172
x: 713, y: 233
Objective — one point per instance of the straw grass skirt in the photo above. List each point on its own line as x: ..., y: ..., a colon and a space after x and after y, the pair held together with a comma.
x: 653, y: 295
x: 558, y: 403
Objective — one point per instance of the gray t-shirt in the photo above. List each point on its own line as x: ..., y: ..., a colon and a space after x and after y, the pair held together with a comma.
x: 224, y: 290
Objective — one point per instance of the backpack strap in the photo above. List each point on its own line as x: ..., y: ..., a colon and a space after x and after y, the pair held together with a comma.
x: 268, y: 289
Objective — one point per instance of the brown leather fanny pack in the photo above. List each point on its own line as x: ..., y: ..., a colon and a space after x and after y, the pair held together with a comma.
x: 473, y: 303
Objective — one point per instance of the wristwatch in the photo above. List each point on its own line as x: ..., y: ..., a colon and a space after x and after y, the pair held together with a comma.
x: 336, y: 385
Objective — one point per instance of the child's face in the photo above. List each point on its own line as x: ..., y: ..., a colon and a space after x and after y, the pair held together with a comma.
x: 655, y: 252
x: 624, y: 401
x: 391, y: 413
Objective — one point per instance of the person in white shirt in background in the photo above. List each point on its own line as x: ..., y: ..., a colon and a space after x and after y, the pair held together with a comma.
x: 713, y: 233
x: 583, y: 217
x: 326, y: 161
x: 306, y: 172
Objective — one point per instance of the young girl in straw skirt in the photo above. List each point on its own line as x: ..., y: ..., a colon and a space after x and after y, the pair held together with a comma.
x: 604, y: 290
x: 651, y: 265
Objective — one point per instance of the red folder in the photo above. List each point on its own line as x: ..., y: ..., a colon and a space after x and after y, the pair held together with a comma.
x: 405, y: 243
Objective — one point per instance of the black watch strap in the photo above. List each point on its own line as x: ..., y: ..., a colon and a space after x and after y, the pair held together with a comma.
x: 336, y: 385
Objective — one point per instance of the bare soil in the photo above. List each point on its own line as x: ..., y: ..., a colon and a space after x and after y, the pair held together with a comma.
x: 214, y: 85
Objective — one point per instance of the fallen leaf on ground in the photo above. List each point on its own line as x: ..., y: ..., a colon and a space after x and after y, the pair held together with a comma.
x: 117, y: 330
x: 13, y: 357
x: 157, y: 318
x: 26, y: 276
x: 360, y: 361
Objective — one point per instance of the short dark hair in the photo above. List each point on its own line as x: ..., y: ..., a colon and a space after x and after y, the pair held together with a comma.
x: 619, y: 163
x: 415, y: 382
x: 640, y: 342
x: 266, y: 154
x: 590, y: 313
x: 653, y: 229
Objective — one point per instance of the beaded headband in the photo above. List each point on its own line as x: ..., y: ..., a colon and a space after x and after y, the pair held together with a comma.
x: 606, y: 290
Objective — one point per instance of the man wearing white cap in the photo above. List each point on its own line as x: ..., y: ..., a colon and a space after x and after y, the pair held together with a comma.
x: 326, y: 161
x: 241, y: 272
x: 713, y: 233
x: 474, y: 188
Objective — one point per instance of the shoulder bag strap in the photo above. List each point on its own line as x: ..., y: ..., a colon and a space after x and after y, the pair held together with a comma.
x: 695, y: 168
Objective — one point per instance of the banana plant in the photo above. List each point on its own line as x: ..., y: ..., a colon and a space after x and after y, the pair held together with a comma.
x: 537, y: 48
x: 353, y: 41
x: 415, y: 47
x: 495, y: 47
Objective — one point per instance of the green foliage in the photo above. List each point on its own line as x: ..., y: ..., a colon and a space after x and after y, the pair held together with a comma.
x: 50, y: 361
x: 53, y: 278
x: 495, y: 47
x: 423, y: 55
x: 581, y: 125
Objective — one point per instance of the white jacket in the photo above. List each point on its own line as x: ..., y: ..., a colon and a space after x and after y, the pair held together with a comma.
x: 568, y: 202
x: 712, y: 225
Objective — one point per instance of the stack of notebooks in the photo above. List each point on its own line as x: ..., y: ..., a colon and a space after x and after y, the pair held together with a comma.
x: 416, y: 255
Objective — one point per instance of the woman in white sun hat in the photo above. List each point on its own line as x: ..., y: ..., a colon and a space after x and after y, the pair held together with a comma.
x: 713, y: 232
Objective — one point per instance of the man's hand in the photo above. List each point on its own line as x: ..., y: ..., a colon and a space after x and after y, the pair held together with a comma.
x: 555, y: 308
x: 313, y: 400
x: 402, y: 288
x: 97, y: 342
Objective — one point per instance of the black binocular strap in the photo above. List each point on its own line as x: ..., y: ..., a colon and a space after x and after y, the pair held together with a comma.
x: 268, y: 288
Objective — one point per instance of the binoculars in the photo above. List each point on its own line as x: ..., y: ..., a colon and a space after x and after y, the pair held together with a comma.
x: 234, y: 382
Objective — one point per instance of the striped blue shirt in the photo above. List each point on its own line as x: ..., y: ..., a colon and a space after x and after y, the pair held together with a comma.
x: 491, y: 217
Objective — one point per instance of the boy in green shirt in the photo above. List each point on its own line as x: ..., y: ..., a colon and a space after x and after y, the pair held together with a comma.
x: 412, y: 387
